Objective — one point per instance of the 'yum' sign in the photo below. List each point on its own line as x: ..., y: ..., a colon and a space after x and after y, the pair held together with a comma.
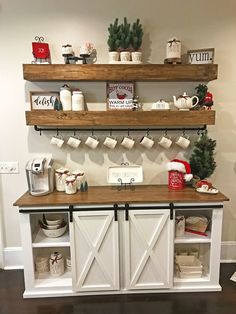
x: 201, y: 56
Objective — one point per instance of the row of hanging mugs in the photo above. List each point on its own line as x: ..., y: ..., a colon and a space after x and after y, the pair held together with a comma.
x: 128, y: 142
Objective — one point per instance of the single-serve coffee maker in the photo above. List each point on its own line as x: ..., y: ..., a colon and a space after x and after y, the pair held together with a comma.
x: 40, y: 176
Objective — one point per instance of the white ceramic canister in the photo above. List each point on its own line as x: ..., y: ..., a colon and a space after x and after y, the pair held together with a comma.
x: 79, y: 177
x: 71, y: 185
x: 60, y: 178
x: 56, y: 264
x: 65, y: 97
x: 77, y: 101
x: 173, y: 49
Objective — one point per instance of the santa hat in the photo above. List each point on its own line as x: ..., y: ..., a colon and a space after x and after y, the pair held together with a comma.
x: 181, y: 166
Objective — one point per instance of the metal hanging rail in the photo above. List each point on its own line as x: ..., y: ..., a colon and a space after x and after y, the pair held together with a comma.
x: 125, y: 129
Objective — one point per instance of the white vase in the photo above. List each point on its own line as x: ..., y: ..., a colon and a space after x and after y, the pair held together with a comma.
x: 136, y: 56
x: 113, y: 56
x: 124, y: 56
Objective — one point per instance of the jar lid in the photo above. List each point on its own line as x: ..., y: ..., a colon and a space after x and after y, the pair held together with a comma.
x: 65, y: 87
x: 78, y: 172
x: 55, y: 256
x: 70, y: 179
x: 77, y: 91
x: 62, y: 170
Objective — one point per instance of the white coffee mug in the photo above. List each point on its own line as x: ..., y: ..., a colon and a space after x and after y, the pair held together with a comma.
x: 147, y: 141
x: 57, y: 140
x: 74, y: 142
x: 165, y: 142
x: 128, y: 142
x: 92, y: 141
x: 183, y: 142
x: 110, y: 142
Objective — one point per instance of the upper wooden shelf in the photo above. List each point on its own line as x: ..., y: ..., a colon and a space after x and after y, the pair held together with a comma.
x: 120, y: 72
x: 119, y: 118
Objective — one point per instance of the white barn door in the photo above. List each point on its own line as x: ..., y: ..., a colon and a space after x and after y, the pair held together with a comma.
x: 95, y: 263
x: 149, y: 249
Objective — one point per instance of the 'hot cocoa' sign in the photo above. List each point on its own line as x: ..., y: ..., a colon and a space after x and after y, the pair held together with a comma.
x: 120, y: 95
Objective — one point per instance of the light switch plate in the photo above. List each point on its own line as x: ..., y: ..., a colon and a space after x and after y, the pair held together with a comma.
x: 9, y: 167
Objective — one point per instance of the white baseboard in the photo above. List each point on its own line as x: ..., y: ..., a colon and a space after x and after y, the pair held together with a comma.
x: 13, y: 258
x: 13, y: 255
x: 228, y: 252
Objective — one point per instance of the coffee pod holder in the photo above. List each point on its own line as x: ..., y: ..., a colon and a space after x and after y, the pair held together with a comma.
x: 125, y: 176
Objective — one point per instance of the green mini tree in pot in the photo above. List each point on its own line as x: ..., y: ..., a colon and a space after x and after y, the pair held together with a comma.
x: 136, y: 41
x: 114, y: 41
x: 125, y: 41
x: 202, y: 159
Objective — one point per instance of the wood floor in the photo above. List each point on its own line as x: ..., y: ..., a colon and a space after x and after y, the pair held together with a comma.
x: 12, y: 286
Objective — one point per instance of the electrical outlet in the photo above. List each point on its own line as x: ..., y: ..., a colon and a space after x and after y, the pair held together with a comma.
x: 9, y: 167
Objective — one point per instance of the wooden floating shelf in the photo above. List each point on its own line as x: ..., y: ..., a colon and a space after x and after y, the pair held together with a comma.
x: 120, y: 72
x: 119, y: 118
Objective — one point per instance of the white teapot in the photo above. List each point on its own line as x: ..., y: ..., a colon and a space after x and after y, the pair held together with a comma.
x: 185, y: 102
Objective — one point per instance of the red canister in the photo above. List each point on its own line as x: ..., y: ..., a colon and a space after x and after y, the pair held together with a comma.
x: 176, y: 180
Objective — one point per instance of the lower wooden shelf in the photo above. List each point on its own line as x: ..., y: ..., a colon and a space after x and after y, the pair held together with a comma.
x: 119, y: 118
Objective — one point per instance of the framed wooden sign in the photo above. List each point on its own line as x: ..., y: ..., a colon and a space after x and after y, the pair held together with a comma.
x: 120, y: 96
x: 201, y: 56
x: 43, y: 100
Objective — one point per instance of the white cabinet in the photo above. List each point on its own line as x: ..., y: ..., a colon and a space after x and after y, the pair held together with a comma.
x: 95, y: 254
x: 122, y: 249
x: 143, y: 249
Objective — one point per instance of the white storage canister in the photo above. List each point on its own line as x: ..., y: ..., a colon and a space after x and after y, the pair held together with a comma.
x: 77, y: 101
x: 56, y: 264
x: 60, y: 178
x: 65, y: 97
x: 173, y: 49
x: 79, y: 177
x: 71, y: 185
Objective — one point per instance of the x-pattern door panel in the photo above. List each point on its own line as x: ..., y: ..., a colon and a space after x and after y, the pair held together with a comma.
x: 149, y: 249
x: 96, y: 251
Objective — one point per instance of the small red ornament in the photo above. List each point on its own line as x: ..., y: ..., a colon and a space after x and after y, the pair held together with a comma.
x: 208, y: 98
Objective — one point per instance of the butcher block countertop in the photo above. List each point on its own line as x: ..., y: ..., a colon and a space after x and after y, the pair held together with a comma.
x: 111, y: 195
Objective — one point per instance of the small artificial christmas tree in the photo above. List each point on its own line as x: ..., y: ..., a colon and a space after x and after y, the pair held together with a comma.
x: 136, y: 35
x: 125, y: 35
x: 202, y: 159
x: 114, y: 39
